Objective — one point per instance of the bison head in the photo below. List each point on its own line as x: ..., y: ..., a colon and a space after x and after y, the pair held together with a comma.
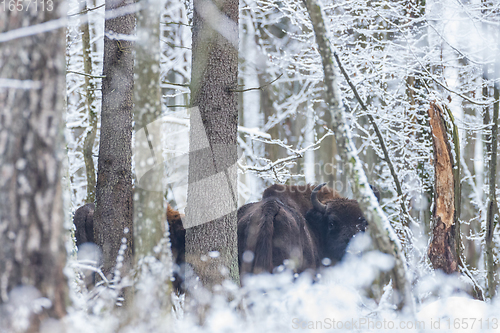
x: 336, y: 222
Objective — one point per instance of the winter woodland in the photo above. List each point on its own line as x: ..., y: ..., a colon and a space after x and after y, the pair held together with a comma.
x: 397, y: 64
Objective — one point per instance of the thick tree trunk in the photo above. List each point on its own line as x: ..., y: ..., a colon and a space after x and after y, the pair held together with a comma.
x: 443, y: 248
x: 32, y: 252
x: 211, y: 239
x: 113, y: 214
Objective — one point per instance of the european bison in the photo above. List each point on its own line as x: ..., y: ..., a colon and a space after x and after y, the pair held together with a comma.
x: 84, y: 224
x: 178, y: 246
x: 297, y: 225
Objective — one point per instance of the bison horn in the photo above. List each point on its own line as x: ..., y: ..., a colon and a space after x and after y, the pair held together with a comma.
x: 321, y: 207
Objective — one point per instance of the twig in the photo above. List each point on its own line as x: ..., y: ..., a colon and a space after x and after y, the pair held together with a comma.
x: 89, y: 75
x: 87, y: 10
x: 173, y: 45
x: 258, y: 88
x: 453, y: 47
x: 478, y: 291
x: 297, y: 154
x: 178, y: 23
x: 470, y: 100
x: 176, y: 84
x: 381, y: 140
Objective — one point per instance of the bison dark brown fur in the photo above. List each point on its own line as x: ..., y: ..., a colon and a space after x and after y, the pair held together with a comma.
x: 296, y: 224
x: 336, y: 222
x: 178, y: 246
x: 84, y: 224
x: 270, y: 232
x: 298, y: 197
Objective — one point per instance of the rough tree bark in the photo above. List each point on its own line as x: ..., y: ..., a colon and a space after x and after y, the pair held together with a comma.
x: 383, y: 233
x: 442, y: 251
x: 211, y: 239
x: 113, y: 213
x: 32, y: 252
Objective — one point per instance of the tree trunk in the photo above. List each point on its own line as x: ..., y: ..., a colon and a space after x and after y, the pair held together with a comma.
x: 267, y: 97
x: 492, y: 207
x: 251, y: 115
x: 211, y: 239
x: 149, y: 211
x: 32, y: 251
x: 443, y: 248
x: 384, y: 236
x: 88, y: 145
x: 113, y: 214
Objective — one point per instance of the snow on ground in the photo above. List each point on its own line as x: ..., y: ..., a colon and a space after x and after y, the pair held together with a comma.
x: 340, y: 299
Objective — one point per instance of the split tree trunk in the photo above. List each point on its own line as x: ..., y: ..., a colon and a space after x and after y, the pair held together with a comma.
x: 443, y: 248
x: 32, y: 251
x: 113, y: 213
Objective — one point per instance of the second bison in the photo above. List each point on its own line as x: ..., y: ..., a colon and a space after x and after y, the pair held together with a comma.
x: 297, y: 225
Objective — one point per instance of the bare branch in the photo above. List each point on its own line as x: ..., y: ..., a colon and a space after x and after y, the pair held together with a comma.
x: 470, y: 100
x: 87, y: 10
x: 296, y: 154
x: 178, y: 23
x: 176, y: 84
x: 258, y: 88
x: 89, y: 75
x: 387, y: 158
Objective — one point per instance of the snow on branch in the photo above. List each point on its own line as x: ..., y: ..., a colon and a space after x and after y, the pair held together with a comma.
x: 381, y: 140
x: 253, y: 131
x: 295, y: 154
x: 384, y: 234
x: 63, y: 22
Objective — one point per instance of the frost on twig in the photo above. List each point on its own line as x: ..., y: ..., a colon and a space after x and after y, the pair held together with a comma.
x: 277, y: 168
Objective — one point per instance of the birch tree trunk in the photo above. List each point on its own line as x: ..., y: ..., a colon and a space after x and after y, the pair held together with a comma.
x: 383, y: 233
x: 211, y: 239
x: 32, y: 251
x: 113, y: 213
